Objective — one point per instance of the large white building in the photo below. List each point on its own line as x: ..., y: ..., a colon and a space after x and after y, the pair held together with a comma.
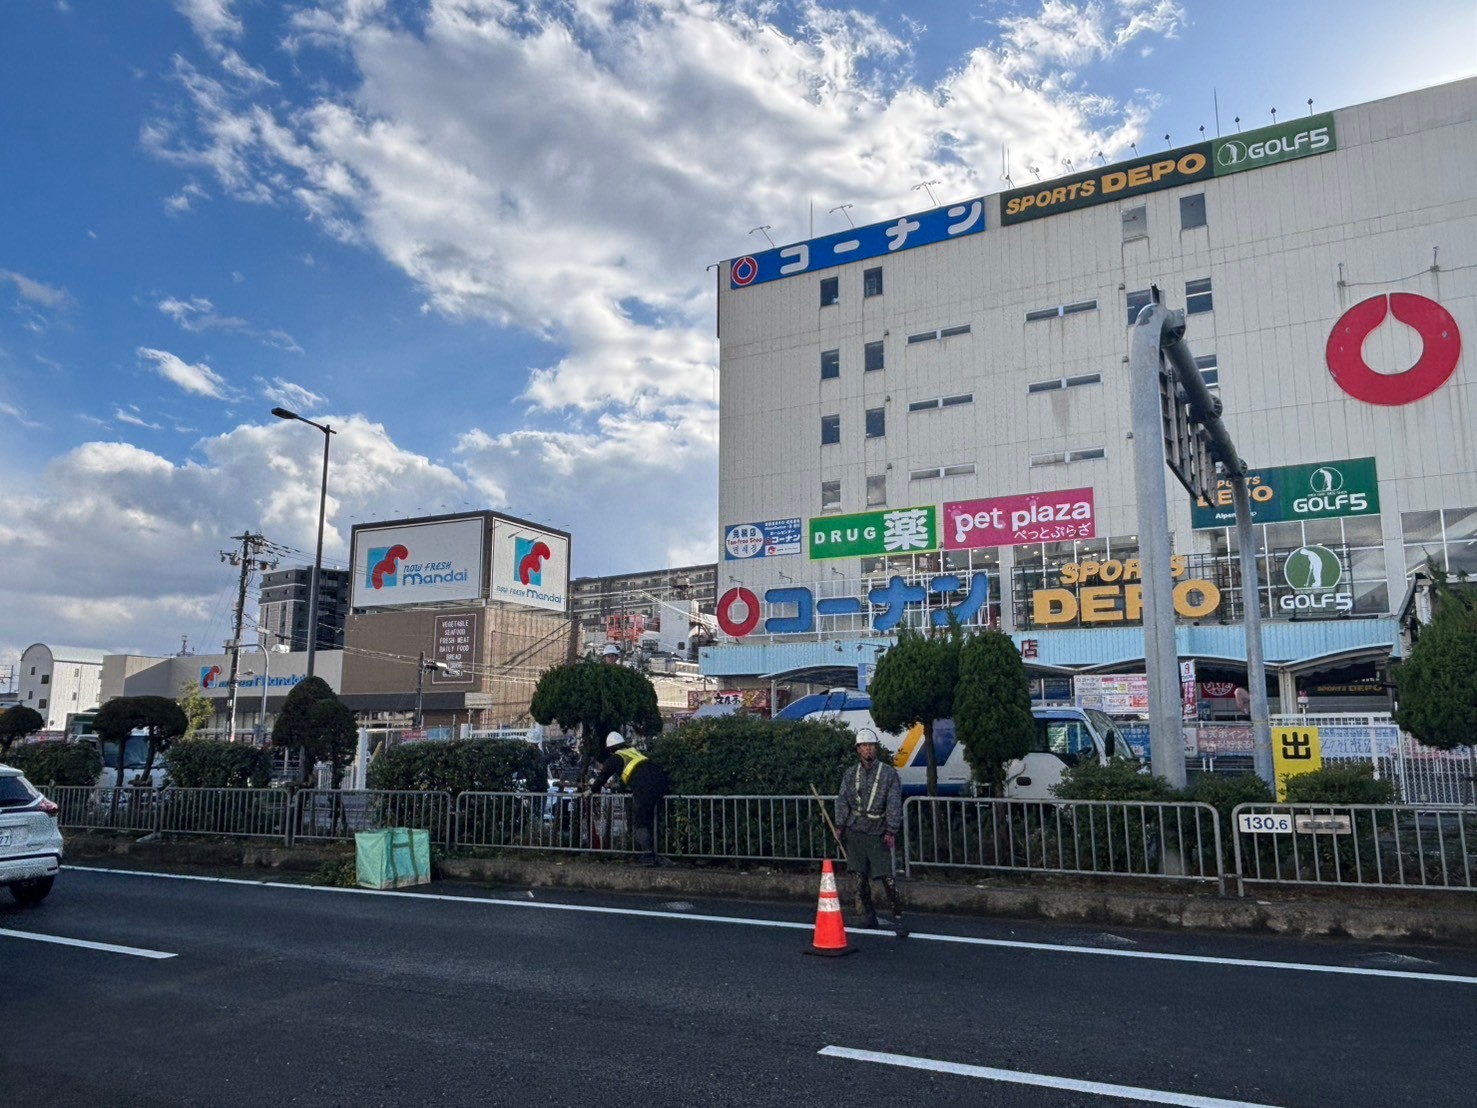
x: 943, y: 398
x: 59, y: 680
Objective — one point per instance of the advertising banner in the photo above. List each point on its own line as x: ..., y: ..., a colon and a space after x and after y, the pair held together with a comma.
x: 1295, y: 750
x: 455, y: 647
x: 1145, y: 174
x: 770, y: 539
x: 530, y: 566
x: 1011, y: 520
x: 417, y: 563
x: 859, y: 243
x: 1281, y: 142
x: 1123, y: 694
x: 870, y: 534
x: 1323, y: 490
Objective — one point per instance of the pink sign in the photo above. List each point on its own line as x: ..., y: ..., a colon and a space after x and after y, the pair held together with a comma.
x: 1012, y: 520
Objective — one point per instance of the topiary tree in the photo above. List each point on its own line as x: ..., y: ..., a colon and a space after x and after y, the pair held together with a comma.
x: 58, y: 763
x: 1438, y: 682
x: 914, y: 684
x: 298, y: 727
x: 208, y: 764
x: 197, y: 707
x: 337, y: 735
x: 157, y: 716
x: 992, y: 706
x: 16, y: 723
x: 595, y: 698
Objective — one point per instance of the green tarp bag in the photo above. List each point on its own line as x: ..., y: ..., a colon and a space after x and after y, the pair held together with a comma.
x: 393, y: 858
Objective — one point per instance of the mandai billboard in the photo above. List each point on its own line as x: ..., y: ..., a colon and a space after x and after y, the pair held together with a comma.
x: 417, y: 563
x: 530, y: 565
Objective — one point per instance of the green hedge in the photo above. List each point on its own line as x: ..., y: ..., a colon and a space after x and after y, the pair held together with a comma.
x: 207, y: 764
x: 56, y: 763
x: 743, y: 756
x: 1340, y: 783
x: 486, y: 765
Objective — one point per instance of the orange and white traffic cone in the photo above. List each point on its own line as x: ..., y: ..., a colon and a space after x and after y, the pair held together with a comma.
x: 830, y: 932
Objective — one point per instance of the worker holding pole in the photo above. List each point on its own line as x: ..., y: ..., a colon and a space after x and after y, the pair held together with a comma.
x: 869, y: 812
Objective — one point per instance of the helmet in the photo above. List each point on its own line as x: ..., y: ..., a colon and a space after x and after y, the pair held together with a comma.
x: 614, y: 739
x: 611, y: 648
x: 866, y: 735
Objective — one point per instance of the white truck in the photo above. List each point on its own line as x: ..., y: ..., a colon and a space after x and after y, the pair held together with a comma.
x: 1064, y: 737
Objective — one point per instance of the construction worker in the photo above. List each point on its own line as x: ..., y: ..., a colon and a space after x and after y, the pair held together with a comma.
x: 869, y: 811
x: 646, y: 782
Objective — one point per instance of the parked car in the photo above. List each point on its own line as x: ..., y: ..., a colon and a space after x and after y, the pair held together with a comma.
x: 135, y: 757
x: 30, y: 840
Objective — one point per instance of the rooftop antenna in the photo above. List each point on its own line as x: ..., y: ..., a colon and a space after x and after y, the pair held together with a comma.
x: 1101, y: 158
x: 1274, y: 117
x: 1202, y: 132
x: 764, y: 230
x: 1135, y: 148
x: 1005, y: 165
x: 924, y: 186
x: 1034, y: 170
x: 844, y: 210
x: 1166, y: 140
x: 1216, y: 99
x: 1068, y: 163
x: 1310, y: 105
x: 1238, y: 124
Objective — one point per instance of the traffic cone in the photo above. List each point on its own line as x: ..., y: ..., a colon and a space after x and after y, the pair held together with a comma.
x: 830, y: 932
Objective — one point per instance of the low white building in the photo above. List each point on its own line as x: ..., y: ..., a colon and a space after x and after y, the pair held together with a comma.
x: 59, y: 680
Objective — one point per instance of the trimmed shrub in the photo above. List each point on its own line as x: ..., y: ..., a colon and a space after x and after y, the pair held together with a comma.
x: 1340, y: 783
x: 1118, y: 780
x: 56, y: 763
x: 485, y: 765
x: 207, y: 764
x: 741, y: 755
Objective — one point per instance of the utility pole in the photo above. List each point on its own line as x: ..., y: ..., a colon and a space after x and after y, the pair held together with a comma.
x: 248, y: 558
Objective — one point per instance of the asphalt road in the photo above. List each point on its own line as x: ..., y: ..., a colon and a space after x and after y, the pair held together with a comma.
x: 291, y: 995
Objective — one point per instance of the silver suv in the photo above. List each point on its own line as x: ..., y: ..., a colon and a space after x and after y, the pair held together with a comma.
x: 30, y: 840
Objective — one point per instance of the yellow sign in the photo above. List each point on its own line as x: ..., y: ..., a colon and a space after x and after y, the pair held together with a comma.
x: 1294, y: 750
x: 1116, y: 603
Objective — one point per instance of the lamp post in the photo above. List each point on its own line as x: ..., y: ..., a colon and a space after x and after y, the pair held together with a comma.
x: 283, y: 413
x: 231, y: 712
x: 261, y: 719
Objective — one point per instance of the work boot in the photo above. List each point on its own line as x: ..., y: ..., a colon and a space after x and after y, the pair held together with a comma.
x: 889, y: 886
x: 864, y: 896
x: 647, y: 852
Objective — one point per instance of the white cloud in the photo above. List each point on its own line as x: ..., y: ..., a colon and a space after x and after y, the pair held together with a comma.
x: 18, y: 414
x: 36, y: 292
x: 198, y: 315
x: 131, y: 415
x: 286, y: 394
x: 198, y: 379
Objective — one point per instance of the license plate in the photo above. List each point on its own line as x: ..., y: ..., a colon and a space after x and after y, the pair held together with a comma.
x: 4, y: 838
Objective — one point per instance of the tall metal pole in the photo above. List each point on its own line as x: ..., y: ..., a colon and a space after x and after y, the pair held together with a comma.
x: 1251, y: 607
x: 1161, y: 658
x: 318, y: 554
x: 420, y: 685
x: 261, y: 719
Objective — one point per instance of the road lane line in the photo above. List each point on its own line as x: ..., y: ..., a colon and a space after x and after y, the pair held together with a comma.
x: 110, y: 948
x: 1041, y: 1080
x: 919, y: 936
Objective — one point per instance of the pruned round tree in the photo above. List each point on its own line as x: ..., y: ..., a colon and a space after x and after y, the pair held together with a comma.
x: 158, y: 717
x: 297, y: 727
x: 914, y: 684
x: 1438, y: 682
x: 992, y: 706
x: 595, y: 698
x: 17, y: 722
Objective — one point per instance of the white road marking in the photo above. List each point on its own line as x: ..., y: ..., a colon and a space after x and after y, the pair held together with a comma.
x: 1041, y: 1080
x: 110, y: 948
x: 966, y: 940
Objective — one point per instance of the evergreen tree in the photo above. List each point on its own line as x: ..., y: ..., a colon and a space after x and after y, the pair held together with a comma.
x: 197, y: 708
x: 596, y: 698
x: 17, y: 722
x: 992, y: 706
x: 914, y: 684
x: 1438, y: 682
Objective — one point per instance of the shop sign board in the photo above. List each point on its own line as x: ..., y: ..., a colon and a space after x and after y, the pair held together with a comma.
x: 530, y: 565
x: 769, y: 539
x: 1281, y: 142
x: 1282, y: 494
x: 417, y: 563
x: 875, y: 534
x: 1012, y: 520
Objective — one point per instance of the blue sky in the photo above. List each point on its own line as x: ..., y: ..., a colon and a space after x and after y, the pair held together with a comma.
x: 472, y: 235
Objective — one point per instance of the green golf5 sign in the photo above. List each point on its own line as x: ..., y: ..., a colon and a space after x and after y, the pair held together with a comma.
x: 1283, y: 493
x: 868, y: 534
x: 1282, y: 142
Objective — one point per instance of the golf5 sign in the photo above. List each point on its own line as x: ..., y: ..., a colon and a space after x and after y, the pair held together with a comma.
x: 1313, y: 573
x: 1282, y: 142
x: 1326, y: 490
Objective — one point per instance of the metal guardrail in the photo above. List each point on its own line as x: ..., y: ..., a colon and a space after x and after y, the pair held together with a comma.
x: 246, y: 813
x: 1174, y: 840
x: 342, y: 813
x: 778, y: 828
x: 1385, y: 845
x: 541, y: 821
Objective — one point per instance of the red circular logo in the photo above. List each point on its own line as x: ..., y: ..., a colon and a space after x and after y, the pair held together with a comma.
x: 744, y: 271
x: 1442, y: 345
x: 738, y: 629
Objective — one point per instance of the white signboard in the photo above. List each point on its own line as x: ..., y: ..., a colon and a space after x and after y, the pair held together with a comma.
x: 530, y: 566
x: 417, y: 563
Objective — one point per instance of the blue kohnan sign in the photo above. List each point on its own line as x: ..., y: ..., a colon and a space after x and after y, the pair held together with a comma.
x: 859, y: 243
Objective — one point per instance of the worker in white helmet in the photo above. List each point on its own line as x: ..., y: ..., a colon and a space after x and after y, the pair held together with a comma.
x: 647, y: 783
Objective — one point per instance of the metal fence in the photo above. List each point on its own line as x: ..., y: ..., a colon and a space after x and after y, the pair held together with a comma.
x: 1386, y: 845
x: 247, y: 813
x: 777, y: 828
x: 342, y: 813
x: 1175, y: 840
x: 561, y: 821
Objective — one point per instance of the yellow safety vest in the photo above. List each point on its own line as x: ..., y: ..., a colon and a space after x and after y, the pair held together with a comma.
x: 632, y: 758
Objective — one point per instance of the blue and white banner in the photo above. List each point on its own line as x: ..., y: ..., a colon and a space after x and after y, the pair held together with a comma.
x: 761, y: 540
x: 858, y: 243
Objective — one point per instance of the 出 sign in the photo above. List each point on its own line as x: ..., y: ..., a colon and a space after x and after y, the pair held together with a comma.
x: 1284, y: 493
x: 1010, y: 520
x: 870, y: 534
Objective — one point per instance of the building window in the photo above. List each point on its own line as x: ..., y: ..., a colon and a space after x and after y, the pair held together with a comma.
x: 46, y: 678
x: 1137, y: 302
x: 830, y: 291
x: 940, y: 333
x: 1192, y: 211
x: 1209, y: 370
x: 830, y: 364
x: 876, y: 422
x: 877, y: 490
x: 1065, y: 382
x: 1135, y: 223
x: 830, y: 496
x: 935, y: 472
x: 872, y: 356
x: 1065, y: 457
x: 941, y: 402
x: 1447, y: 536
x: 41, y: 705
x: 872, y: 282
x: 1197, y: 296
x: 1060, y: 310
x: 830, y: 430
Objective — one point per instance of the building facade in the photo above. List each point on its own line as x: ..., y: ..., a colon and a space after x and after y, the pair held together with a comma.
x: 59, y: 680
x: 932, y: 414
x: 283, y: 609
x: 624, y: 606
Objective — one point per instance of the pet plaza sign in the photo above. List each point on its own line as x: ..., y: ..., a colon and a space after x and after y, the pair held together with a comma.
x: 1118, y: 596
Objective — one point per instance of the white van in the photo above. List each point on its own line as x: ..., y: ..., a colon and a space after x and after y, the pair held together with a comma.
x: 135, y: 754
x: 1064, y: 736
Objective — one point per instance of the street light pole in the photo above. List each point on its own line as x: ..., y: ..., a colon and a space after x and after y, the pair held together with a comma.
x: 421, y: 668
x: 313, y: 587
